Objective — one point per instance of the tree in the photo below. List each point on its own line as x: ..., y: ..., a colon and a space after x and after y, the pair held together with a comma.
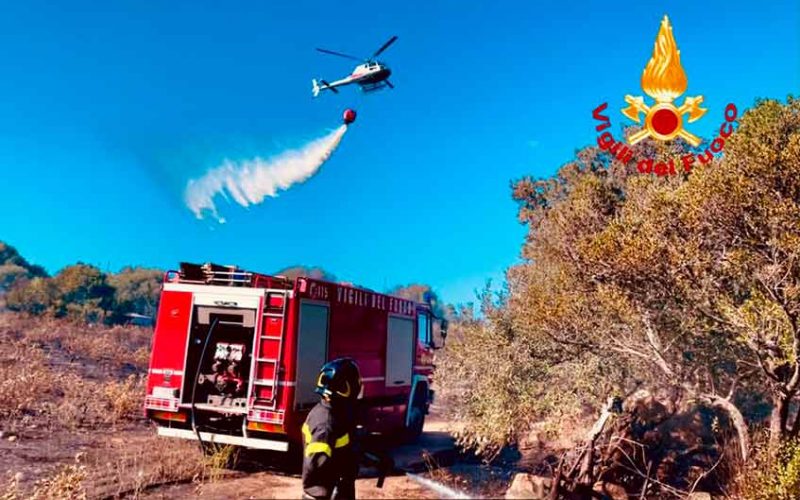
x: 745, y: 217
x: 36, y: 296
x: 421, y: 293
x: 685, y: 285
x: 82, y: 293
x: 14, y: 268
x: 136, y: 290
x: 710, y: 267
x: 10, y: 274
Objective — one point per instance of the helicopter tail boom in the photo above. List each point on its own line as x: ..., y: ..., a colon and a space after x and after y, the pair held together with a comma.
x: 316, y: 88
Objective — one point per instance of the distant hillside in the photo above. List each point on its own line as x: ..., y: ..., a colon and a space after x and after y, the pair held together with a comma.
x: 14, y: 267
x: 82, y: 291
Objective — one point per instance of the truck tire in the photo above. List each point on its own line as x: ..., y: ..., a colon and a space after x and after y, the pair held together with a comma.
x: 416, y: 414
x: 415, y: 425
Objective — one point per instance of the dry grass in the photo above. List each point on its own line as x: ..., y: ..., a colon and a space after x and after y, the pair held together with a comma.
x: 25, y: 379
x: 62, y: 375
x: 127, y: 472
x: 66, y: 484
x: 69, y: 380
x: 117, y: 347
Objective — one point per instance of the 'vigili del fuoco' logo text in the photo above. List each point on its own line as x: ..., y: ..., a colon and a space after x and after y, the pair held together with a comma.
x: 664, y: 80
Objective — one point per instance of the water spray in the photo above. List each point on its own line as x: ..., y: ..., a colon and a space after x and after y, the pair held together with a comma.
x: 249, y: 182
x: 438, y: 488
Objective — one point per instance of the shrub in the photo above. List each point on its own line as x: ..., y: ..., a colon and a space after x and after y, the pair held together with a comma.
x: 769, y: 477
x: 67, y: 484
x: 124, y: 399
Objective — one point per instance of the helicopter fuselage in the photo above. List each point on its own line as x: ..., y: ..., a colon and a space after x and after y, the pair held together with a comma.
x: 370, y: 73
x: 369, y: 76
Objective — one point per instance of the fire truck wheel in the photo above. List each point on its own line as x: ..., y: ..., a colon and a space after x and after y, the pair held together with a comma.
x: 416, y: 414
x: 415, y: 424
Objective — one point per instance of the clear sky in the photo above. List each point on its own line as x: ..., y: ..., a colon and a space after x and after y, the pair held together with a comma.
x: 108, y: 108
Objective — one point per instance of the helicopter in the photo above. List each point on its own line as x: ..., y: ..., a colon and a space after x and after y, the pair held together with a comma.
x: 370, y: 75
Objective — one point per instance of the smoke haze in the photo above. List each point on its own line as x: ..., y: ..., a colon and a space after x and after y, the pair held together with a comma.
x: 248, y: 182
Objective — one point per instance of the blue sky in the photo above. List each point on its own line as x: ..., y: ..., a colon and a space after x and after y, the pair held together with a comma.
x: 108, y: 108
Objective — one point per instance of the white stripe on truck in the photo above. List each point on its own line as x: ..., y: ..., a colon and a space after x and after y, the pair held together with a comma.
x: 208, y: 437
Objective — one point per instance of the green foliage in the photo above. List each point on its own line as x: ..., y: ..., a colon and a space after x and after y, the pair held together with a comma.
x: 10, y: 255
x: 10, y: 274
x: 37, y: 296
x: 14, y: 268
x: 80, y: 291
x: 680, y: 283
x: 83, y: 293
x: 771, y: 477
x: 136, y: 290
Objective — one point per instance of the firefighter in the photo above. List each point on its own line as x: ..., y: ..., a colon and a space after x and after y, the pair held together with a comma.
x: 330, y: 461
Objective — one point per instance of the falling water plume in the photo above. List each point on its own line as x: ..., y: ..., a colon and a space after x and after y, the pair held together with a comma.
x: 248, y: 182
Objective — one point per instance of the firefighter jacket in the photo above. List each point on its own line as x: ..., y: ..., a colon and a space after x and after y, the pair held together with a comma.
x: 330, y: 460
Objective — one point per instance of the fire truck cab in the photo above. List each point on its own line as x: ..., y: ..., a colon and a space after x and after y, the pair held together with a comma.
x: 236, y: 354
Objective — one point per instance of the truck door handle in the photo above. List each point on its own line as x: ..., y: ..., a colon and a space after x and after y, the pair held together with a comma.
x: 398, y: 382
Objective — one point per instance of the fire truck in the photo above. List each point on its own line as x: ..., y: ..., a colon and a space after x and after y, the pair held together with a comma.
x: 236, y: 354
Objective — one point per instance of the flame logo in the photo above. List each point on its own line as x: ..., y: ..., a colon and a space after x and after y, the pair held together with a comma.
x: 663, y: 78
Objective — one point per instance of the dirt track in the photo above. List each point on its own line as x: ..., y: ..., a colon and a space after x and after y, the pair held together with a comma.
x: 436, y: 444
x: 270, y: 485
x: 63, y: 436
x: 134, y: 462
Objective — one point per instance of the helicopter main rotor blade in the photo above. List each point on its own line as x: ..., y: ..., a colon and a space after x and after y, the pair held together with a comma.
x: 346, y: 56
x: 384, y: 47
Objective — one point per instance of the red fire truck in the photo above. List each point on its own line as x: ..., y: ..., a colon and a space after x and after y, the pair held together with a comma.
x: 236, y: 354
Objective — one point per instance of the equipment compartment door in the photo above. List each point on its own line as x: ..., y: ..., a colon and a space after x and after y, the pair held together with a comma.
x: 312, y: 351
x: 399, y: 351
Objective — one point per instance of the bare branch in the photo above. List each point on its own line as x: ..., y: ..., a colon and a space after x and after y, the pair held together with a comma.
x: 655, y: 345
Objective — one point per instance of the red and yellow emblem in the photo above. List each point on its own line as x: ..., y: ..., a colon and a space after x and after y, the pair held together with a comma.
x: 664, y: 80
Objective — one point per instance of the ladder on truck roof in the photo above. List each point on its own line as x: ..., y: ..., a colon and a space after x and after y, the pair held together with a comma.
x: 268, y: 351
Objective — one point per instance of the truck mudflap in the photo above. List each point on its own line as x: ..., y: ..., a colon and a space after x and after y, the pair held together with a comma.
x: 210, y: 437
